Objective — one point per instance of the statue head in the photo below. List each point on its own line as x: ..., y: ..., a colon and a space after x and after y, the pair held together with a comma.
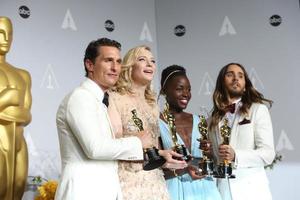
x: 6, y: 32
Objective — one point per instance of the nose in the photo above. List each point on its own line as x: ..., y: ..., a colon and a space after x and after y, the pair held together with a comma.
x: 5, y: 36
x: 235, y: 77
x: 185, y: 93
x: 115, y: 66
x: 149, y: 63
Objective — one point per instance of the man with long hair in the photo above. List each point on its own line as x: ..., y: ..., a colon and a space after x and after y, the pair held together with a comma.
x: 251, y: 144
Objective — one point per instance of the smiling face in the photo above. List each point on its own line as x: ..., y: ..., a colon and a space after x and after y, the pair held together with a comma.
x: 178, y: 92
x: 106, y: 68
x: 144, y: 68
x: 234, y: 81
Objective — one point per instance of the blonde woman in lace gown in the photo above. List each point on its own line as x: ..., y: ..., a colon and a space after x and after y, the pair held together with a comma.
x: 133, y: 91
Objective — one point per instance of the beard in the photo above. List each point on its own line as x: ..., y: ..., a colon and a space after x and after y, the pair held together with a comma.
x: 235, y: 93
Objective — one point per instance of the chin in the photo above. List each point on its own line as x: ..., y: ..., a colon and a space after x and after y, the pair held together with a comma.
x: 236, y: 94
x: 182, y: 107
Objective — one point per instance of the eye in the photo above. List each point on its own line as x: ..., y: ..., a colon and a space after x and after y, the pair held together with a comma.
x: 241, y: 75
x: 179, y: 88
x: 153, y: 61
x: 229, y: 74
x: 141, y: 59
x: 109, y: 59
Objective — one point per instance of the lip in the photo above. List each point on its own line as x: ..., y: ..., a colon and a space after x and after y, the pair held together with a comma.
x: 183, y: 101
x: 235, y: 85
x: 114, y: 76
x: 148, y: 71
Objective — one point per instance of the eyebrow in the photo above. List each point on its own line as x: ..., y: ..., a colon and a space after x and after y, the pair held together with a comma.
x: 151, y: 58
x: 233, y: 72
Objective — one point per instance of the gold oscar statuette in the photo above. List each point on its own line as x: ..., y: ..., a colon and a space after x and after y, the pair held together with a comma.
x: 225, y: 167
x: 179, y: 148
x: 152, y: 159
x: 206, y: 166
x: 15, y: 104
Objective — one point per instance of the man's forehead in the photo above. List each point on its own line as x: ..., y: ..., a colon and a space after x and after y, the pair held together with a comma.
x: 109, y: 51
x: 234, y: 69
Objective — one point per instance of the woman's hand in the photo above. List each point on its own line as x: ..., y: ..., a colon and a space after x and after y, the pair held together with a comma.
x: 194, y: 172
x: 171, y: 161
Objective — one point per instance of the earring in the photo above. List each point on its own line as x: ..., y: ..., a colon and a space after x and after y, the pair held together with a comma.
x: 165, y: 110
x: 167, y: 107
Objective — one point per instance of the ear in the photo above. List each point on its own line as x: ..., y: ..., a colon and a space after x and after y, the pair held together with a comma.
x: 89, y: 65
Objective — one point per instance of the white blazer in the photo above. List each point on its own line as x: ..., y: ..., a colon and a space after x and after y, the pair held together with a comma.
x: 254, y: 148
x: 88, y: 148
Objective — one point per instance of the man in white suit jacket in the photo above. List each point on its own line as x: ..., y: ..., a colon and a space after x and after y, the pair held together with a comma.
x: 251, y: 144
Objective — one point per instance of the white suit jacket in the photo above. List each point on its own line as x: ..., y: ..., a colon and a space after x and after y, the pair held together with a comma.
x: 254, y: 148
x: 88, y: 148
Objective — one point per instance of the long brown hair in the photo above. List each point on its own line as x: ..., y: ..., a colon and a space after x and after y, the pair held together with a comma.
x: 220, y: 96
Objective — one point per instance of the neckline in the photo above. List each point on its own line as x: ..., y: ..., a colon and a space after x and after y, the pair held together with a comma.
x: 180, y: 140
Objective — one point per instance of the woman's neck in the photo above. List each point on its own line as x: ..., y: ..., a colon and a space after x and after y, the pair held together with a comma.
x: 176, y: 111
x: 138, y: 90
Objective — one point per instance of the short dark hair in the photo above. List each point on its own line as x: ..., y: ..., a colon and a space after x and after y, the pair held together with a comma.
x: 91, y: 51
x: 169, y: 73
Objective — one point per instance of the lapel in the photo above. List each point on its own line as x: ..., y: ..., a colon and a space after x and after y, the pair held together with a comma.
x: 109, y: 124
x: 97, y: 92
x: 235, y: 127
x: 235, y: 130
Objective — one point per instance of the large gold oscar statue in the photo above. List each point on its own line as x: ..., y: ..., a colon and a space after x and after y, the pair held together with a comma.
x: 15, y: 103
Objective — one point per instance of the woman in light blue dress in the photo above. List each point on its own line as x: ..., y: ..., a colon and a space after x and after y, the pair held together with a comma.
x: 183, y: 184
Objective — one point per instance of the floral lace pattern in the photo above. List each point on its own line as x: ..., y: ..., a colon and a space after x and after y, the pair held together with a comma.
x: 137, y: 184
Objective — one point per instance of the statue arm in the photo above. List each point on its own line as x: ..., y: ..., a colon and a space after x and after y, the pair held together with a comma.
x: 8, y: 97
x: 27, y: 97
x: 15, y: 104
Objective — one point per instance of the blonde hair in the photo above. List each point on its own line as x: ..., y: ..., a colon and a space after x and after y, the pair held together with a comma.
x: 124, y: 84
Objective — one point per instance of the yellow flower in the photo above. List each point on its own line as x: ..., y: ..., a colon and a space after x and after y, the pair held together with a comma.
x: 47, y: 191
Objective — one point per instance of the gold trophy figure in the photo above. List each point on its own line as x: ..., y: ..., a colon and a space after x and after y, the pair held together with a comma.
x: 151, y: 156
x: 206, y: 166
x: 15, y: 104
x: 179, y: 148
x: 225, y: 167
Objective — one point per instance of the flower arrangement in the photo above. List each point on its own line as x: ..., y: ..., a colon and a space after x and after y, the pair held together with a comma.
x: 278, y: 158
x: 46, y: 190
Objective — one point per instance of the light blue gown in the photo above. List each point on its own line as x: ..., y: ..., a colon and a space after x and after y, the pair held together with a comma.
x: 183, y: 187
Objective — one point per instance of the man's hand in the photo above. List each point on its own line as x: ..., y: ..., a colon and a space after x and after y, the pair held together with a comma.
x: 172, y: 163
x: 206, y: 146
x: 226, y: 152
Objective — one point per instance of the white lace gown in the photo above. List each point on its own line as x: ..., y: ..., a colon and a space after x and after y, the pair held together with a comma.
x: 137, y: 184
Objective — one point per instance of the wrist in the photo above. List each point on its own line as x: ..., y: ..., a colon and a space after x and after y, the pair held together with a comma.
x: 178, y: 172
x: 174, y: 172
